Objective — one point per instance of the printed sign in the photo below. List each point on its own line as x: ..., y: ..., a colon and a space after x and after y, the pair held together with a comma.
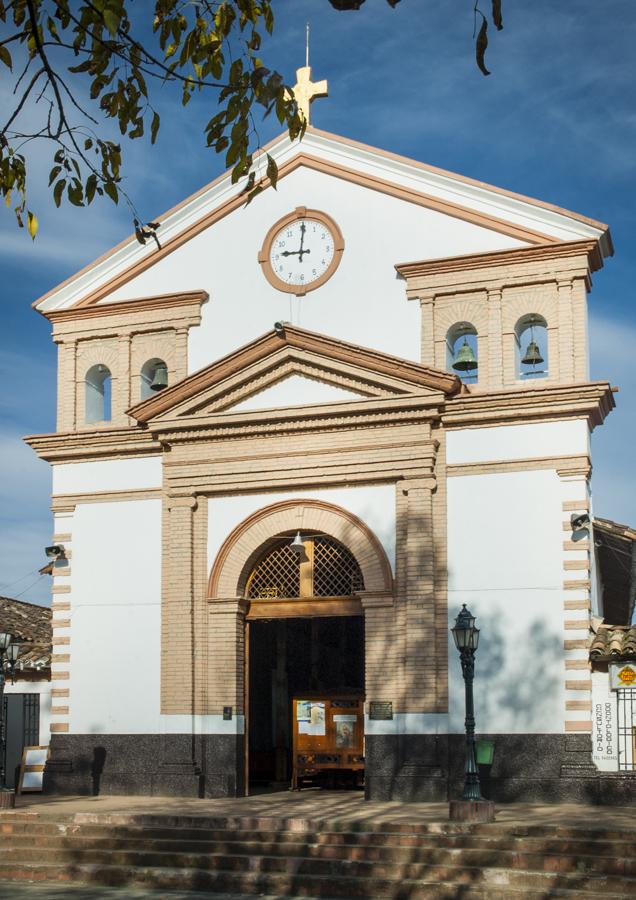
x: 381, y: 709
x: 310, y: 715
x: 622, y: 675
x: 604, y: 725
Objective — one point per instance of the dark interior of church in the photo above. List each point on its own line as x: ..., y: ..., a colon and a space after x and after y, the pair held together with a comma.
x: 296, y: 658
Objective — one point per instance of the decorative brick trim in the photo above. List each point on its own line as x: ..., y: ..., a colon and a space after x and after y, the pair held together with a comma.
x: 578, y: 726
x: 572, y: 565
x: 121, y: 308
x: 585, y: 705
x: 61, y: 589
x: 582, y: 584
x: 571, y: 664
x: 529, y: 464
x: 60, y: 500
x: 63, y: 538
x: 59, y: 710
x: 576, y: 505
x: 60, y: 692
x: 577, y: 604
x: 582, y: 685
x: 575, y: 644
x: 59, y: 727
x: 246, y: 540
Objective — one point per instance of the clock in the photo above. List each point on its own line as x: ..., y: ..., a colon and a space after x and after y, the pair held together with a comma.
x: 301, y: 251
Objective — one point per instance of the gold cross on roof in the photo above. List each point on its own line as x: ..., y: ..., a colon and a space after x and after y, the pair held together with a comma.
x: 306, y: 90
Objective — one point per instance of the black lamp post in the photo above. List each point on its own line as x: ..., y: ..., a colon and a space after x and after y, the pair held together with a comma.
x: 9, y: 653
x: 466, y: 638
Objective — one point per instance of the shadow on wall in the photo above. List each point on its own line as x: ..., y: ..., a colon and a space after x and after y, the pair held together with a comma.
x: 516, y: 679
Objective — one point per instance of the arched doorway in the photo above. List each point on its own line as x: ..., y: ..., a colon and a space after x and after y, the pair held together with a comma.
x: 304, y: 633
x: 305, y: 637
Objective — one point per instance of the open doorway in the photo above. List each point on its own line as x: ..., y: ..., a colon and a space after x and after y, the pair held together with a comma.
x: 291, y: 658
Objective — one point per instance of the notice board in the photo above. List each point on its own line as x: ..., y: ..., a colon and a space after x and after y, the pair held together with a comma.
x: 328, y: 735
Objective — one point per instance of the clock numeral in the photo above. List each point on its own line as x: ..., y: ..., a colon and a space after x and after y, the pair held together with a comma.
x: 290, y: 233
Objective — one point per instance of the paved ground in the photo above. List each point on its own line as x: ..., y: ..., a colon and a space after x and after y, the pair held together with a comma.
x: 321, y: 805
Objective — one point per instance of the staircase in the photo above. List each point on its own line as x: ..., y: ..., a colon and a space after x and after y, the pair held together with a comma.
x: 300, y: 858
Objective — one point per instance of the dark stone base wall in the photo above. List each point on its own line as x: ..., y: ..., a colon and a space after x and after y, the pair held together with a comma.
x: 531, y: 768
x: 179, y: 765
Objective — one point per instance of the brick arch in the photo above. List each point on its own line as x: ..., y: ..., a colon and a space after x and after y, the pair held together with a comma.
x: 241, y: 548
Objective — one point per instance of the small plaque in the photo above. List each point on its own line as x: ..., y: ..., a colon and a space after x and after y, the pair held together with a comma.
x: 381, y: 709
x: 227, y: 713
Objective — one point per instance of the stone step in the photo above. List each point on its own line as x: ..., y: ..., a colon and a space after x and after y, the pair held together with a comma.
x: 497, y: 886
x: 458, y: 870
x: 621, y: 861
x: 195, y: 824
x: 380, y: 837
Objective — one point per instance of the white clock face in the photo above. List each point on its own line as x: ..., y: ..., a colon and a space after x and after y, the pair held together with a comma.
x: 301, y: 252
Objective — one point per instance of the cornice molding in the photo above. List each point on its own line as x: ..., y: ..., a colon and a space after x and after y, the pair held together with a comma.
x: 80, y: 446
x: 515, y: 256
x: 592, y: 401
x: 140, y: 304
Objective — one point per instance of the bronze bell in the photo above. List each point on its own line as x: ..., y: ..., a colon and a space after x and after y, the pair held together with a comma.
x: 465, y: 360
x: 533, y: 355
x: 160, y: 378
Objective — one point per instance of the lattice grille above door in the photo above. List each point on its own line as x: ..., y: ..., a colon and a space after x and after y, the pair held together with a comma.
x: 327, y: 569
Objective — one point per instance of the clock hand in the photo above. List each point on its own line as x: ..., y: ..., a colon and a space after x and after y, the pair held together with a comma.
x: 302, y: 241
x: 294, y: 253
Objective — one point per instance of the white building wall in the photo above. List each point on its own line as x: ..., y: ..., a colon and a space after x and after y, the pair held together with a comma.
x: 116, y: 618
x: 506, y: 442
x: 143, y: 473
x: 505, y: 563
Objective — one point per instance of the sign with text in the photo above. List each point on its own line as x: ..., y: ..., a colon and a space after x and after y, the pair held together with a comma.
x: 380, y: 709
x: 604, y: 724
x: 622, y: 675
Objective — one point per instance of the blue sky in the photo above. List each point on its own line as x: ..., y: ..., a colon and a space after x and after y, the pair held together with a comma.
x: 556, y: 120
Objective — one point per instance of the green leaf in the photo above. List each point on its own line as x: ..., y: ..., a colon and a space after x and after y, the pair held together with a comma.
x: 58, y: 191
x: 32, y: 224
x: 55, y: 171
x: 154, y: 128
x: 496, y: 14
x: 5, y: 57
x: 111, y: 20
x: 272, y: 171
x: 480, y: 46
x: 91, y: 184
x: 111, y: 190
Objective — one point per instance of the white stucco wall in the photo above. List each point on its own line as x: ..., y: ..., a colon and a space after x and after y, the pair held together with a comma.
x: 375, y: 505
x: 364, y: 302
x: 517, y: 442
x: 115, y: 618
x: 108, y: 475
x: 295, y: 391
x: 43, y: 688
x: 505, y: 564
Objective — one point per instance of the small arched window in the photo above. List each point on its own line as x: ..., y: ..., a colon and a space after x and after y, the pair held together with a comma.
x: 462, y: 355
x: 154, y: 377
x: 531, y: 347
x: 98, y: 384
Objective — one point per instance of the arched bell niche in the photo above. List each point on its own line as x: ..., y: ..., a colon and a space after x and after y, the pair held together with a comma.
x: 98, y: 403
x: 462, y: 353
x: 154, y: 377
x: 531, y: 347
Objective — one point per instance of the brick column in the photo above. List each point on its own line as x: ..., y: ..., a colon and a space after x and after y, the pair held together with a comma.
x: 427, y: 349
x: 383, y: 658
x: 177, y: 609
x: 495, y: 374
x: 420, y: 663
x: 121, y: 380
x: 566, y: 331
x: 66, y: 388
x: 226, y: 654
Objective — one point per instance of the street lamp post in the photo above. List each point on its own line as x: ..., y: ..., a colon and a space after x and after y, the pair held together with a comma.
x: 9, y: 653
x: 472, y: 806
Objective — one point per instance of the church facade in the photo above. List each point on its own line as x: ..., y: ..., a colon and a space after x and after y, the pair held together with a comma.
x: 290, y: 444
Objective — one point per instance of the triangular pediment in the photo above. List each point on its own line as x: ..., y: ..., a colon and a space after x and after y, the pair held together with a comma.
x: 273, y: 371
x: 525, y: 220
